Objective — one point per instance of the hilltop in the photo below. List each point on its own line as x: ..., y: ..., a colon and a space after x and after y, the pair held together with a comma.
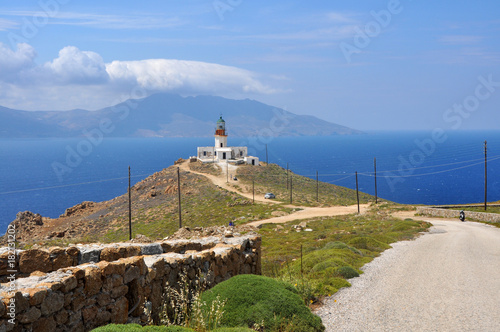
x: 205, y: 202
x: 167, y: 115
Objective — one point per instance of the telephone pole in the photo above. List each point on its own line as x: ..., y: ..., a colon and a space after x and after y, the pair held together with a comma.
x: 375, y: 166
x: 357, y: 191
x: 267, y: 160
x: 317, y: 187
x: 129, y: 208
x: 179, y: 192
x: 287, y: 176
x: 485, y: 176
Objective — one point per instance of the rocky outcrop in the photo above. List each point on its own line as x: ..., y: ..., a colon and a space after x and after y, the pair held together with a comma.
x: 114, y: 288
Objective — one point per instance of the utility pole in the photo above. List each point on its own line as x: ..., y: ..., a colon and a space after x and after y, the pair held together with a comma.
x: 375, y: 166
x: 129, y: 208
x: 485, y: 177
x: 357, y: 191
x: 227, y: 172
x: 253, y: 190
x: 291, y: 189
x: 287, y: 176
x: 317, y: 187
x: 179, y: 192
x: 267, y: 160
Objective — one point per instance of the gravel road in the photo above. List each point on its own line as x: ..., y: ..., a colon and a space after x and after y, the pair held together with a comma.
x: 446, y: 280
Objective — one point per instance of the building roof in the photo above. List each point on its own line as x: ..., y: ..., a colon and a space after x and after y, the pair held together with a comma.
x: 221, y: 120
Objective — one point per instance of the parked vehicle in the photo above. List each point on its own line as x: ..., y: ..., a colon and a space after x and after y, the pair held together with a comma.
x: 269, y: 196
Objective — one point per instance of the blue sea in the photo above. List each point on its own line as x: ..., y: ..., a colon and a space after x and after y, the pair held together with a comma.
x: 47, y: 176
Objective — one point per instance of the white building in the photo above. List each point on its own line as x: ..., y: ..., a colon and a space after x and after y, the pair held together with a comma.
x: 222, y: 152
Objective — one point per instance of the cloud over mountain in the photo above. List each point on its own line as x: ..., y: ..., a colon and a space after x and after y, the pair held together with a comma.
x: 84, y: 80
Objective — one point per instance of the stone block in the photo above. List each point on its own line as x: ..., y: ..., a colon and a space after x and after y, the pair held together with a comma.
x: 93, y: 282
x: 34, y: 260
x: 119, y: 311
x: 30, y: 316
x: 52, y: 303
x: 89, y: 255
x: 152, y: 249
x: 44, y: 324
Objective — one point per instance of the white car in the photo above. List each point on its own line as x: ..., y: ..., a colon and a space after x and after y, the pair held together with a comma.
x: 269, y: 196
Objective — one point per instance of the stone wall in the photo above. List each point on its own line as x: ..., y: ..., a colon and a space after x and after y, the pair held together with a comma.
x: 454, y: 212
x: 98, y: 285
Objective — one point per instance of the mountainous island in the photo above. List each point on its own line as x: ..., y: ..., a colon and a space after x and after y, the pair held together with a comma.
x: 167, y: 115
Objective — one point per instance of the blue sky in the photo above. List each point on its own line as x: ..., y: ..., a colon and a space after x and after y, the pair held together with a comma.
x: 370, y: 65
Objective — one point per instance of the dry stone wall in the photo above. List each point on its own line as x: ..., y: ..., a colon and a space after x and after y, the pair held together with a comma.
x: 454, y: 212
x: 83, y: 287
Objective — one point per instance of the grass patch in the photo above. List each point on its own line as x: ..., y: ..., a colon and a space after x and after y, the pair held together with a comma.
x: 261, y: 302
x: 333, y: 252
x: 273, y: 178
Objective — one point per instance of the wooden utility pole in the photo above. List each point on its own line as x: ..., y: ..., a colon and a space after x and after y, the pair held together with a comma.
x: 227, y: 172
x: 375, y: 167
x: 357, y: 191
x: 179, y: 192
x: 291, y: 189
x: 287, y: 176
x: 253, y: 190
x: 317, y: 187
x: 485, y: 177
x: 267, y: 160
x: 129, y: 208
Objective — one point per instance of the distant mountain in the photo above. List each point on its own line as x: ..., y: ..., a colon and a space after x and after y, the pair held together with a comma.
x: 167, y: 115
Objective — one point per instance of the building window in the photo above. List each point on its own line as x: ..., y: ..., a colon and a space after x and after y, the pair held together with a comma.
x: 205, y: 153
x: 241, y: 153
x: 223, y: 155
x: 222, y: 145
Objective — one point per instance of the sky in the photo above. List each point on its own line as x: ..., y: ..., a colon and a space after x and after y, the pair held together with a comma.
x: 367, y: 64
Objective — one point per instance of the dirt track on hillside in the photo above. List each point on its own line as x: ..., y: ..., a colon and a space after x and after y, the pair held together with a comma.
x: 304, y: 213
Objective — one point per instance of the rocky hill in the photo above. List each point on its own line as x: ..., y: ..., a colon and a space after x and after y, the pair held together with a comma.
x: 154, y: 212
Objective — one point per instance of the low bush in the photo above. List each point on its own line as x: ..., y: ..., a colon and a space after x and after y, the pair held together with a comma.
x: 368, y: 243
x: 261, y: 301
x: 139, y: 328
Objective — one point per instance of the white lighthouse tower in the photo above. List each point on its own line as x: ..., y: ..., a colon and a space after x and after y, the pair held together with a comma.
x: 220, y: 134
x: 221, y: 152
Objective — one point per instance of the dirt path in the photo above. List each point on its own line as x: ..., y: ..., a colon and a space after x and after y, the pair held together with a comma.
x: 304, y: 213
x: 313, y: 212
x: 446, y: 280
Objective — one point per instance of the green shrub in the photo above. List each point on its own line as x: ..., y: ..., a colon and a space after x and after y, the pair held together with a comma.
x: 368, y: 243
x: 341, y: 245
x: 347, y: 272
x: 404, y: 225
x: 257, y: 300
x: 334, y: 262
x: 331, y: 285
x: 234, y: 329
x: 139, y: 328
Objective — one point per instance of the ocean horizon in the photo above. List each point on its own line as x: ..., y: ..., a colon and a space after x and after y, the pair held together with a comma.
x: 47, y: 176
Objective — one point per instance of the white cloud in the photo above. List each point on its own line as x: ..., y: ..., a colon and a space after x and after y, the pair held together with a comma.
x: 185, y: 76
x: 12, y: 63
x: 106, y: 21
x: 7, y: 24
x: 81, y: 79
x: 460, y: 39
x: 77, y: 67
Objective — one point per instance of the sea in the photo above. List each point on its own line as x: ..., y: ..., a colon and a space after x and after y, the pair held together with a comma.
x: 46, y: 176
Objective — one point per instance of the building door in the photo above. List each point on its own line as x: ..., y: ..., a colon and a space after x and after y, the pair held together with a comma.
x: 253, y: 162
x: 223, y: 155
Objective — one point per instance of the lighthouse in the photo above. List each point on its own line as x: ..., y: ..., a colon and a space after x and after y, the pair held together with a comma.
x: 220, y: 134
x: 221, y: 152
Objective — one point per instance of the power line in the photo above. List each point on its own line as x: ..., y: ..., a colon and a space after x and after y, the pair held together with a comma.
x: 69, y: 185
